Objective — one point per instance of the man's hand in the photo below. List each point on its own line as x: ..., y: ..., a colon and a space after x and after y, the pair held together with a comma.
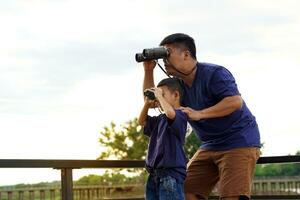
x: 225, y: 107
x: 192, y: 114
x: 149, y: 65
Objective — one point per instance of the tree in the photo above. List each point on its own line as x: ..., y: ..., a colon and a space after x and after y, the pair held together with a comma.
x: 288, y: 169
x: 192, y: 144
x: 129, y: 142
x: 105, y: 179
x: 124, y: 143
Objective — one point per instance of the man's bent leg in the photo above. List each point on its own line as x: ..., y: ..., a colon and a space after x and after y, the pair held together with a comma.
x: 236, y: 168
x: 202, y: 175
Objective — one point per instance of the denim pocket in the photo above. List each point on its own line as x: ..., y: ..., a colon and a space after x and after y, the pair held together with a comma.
x: 168, y: 183
x: 170, y: 189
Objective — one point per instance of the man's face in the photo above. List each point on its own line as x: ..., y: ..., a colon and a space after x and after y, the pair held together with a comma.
x: 175, y: 60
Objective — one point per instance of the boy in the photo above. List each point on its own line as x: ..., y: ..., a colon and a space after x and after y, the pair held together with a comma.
x: 166, y: 161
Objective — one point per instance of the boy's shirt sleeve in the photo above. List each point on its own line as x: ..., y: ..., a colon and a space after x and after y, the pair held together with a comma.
x: 222, y: 84
x: 179, y: 124
x: 150, y: 124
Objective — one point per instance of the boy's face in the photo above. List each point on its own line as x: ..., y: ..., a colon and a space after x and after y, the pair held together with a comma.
x: 171, y: 97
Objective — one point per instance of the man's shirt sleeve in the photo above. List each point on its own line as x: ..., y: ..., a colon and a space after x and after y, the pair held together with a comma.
x: 222, y: 84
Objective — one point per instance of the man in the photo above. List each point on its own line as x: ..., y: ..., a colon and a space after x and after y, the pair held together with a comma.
x: 228, y: 131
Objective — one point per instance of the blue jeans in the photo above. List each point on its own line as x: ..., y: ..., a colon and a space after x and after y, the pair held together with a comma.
x: 163, y: 188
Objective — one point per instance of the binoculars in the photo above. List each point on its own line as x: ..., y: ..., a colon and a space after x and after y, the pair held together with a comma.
x: 150, y: 94
x: 152, y: 54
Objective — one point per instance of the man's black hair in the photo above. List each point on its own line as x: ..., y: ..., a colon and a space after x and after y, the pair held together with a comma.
x: 173, y: 85
x: 181, y: 39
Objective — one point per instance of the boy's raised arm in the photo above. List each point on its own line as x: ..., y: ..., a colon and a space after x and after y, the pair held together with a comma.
x: 144, y: 114
x: 169, y: 110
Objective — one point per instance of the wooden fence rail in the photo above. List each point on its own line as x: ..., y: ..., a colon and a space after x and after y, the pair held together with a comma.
x: 66, y: 167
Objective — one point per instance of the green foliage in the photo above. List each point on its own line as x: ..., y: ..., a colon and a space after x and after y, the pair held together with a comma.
x: 124, y: 143
x: 277, y: 170
x: 34, y: 185
x: 192, y: 144
x: 109, y: 178
x: 91, y: 179
x: 289, y: 169
x: 129, y: 142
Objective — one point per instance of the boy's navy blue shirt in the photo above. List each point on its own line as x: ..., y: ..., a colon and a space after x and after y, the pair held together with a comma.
x: 165, y: 150
x: 212, y: 83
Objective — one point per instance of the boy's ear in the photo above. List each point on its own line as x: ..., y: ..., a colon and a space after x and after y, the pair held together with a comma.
x: 176, y: 93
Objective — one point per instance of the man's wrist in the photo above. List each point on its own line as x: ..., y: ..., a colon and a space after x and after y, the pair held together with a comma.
x: 148, y: 70
x: 147, y: 104
x: 200, y: 114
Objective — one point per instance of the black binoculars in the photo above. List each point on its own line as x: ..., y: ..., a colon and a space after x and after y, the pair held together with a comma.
x: 152, y: 54
x: 150, y: 94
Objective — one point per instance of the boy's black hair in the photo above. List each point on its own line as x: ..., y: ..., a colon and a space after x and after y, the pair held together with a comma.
x: 181, y: 39
x: 173, y: 85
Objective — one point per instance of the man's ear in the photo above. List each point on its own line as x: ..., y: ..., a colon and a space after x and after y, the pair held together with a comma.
x: 186, y: 54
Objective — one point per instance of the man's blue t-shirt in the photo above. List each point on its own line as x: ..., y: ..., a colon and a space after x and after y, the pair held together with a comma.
x: 212, y: 83
x: 165, y: 150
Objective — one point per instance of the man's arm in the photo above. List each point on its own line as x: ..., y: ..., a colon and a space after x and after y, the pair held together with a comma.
x: 148, y: 74
x: 225, y: 107
x: 222, y: 86
x: 147, y: 83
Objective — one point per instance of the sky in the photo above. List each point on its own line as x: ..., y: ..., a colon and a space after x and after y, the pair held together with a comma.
x: 67, y: 69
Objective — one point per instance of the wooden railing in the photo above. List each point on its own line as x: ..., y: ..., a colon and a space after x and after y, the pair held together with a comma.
x: 66, y: 167
x: 89, y: 192
x: 276, y: 185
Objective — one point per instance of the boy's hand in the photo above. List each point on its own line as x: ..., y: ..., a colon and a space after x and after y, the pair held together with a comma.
x: 158, y: 92
x: 150, y: 103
